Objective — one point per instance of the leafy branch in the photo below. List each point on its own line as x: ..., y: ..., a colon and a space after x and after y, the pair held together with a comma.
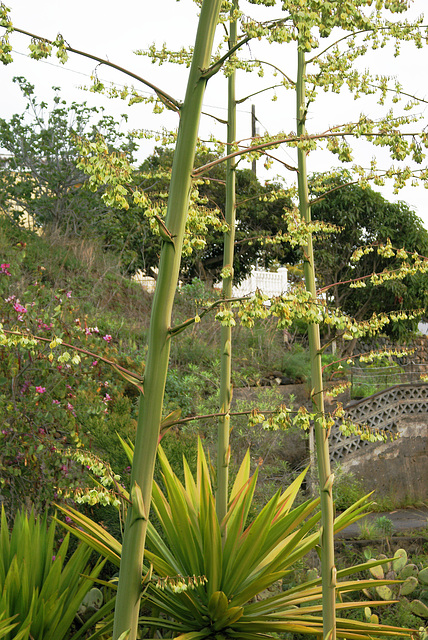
x: 41, y: 48
x: 86, y: 352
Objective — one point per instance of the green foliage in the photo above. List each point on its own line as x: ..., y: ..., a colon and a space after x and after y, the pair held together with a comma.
x: 372, y: 378
x: 55, y: 399
x: 214, y: 577
x: 365, y: 220
x: 384, y: 526
x: 346, y: 489
x: 259, y: 213
x: 42, y: 179
x: 39, y: 583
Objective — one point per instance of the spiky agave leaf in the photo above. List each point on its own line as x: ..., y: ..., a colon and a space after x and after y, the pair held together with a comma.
x: 40, y: 585
x: 252, y: 558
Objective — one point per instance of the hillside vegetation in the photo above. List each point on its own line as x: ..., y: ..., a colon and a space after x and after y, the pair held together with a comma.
x: 68, y: 288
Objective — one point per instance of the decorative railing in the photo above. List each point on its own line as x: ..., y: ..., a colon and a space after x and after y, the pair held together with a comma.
x: 269, y: 283
x: 380, y: 411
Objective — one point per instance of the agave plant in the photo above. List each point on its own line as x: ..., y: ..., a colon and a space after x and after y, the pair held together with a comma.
x: 40, y: 592
x: 205, y: 577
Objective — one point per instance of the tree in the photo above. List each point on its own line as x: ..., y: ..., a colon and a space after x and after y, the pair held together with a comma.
x: 365, y: 220
x: 40, y: 177
x: 259, y: 213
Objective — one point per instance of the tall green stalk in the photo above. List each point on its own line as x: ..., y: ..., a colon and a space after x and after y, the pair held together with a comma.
x: 150, y: 409
x: 223, y: 447
x: 328, y: 570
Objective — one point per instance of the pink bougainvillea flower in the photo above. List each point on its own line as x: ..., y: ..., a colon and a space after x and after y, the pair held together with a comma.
x: 71, y: 408
x: 5, y: 269
x: 40, y: 389
x: 94, y: 364
x: 107, y: 338
x: 19, y: 308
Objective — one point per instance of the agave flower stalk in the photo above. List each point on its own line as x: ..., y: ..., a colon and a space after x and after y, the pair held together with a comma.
x: 223, y: 447
x: 150, y: 409
x: 328, y: 570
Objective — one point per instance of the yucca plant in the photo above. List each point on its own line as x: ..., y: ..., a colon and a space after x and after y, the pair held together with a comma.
x: 205, y: 576
x: 6, y: 625
x: 39, y: 588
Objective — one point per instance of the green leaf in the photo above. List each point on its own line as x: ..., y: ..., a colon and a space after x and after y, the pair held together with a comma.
x: 241, y: 478
x: 217, y: 605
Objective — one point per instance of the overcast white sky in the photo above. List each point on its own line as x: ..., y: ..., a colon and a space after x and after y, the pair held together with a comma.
x: 114, y: 30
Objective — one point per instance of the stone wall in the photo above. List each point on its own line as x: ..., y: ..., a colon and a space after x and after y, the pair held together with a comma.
x: 398, y: 468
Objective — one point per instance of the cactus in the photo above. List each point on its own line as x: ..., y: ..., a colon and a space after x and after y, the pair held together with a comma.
x: 410, y: 579
x: 90, y: 603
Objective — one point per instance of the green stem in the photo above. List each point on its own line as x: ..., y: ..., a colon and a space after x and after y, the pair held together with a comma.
x: 328, y: 570
x: 150, y: 409
x: 223, y: 447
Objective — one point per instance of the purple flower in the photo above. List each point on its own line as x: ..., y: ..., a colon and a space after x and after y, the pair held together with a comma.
x: 94, y: 364
x: 40, y: 389
x: 5, y: 269
x: 107, y: 338
x: 25, y: 387
x: 71, y: 409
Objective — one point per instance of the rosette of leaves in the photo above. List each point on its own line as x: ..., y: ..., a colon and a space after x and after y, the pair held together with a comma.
x: 206, y: 577
x: 41, y: 587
